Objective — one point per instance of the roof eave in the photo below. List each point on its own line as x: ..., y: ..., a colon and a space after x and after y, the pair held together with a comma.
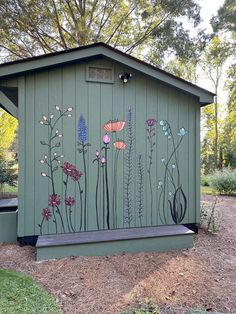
x: 33, y: 64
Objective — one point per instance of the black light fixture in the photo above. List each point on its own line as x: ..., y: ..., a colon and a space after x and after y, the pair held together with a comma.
x: 125, y: 77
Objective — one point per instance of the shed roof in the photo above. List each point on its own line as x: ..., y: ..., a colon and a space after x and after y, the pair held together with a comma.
x: 100, y: 49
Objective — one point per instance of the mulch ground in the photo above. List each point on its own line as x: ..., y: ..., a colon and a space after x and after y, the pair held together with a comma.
x: 202, y: 277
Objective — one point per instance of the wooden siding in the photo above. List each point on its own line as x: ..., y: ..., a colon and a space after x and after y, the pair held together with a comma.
x: 39, y: 92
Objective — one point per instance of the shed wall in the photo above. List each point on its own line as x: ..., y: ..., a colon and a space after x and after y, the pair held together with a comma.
x: 136, y: 190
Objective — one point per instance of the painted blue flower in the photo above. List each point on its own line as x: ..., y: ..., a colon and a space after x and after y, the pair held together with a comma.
x: 162, y: 122
x: 182, y: 132
x: 82, y: 130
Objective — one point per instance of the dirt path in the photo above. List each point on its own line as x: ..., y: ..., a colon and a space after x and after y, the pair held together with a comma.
x: 202, y: 277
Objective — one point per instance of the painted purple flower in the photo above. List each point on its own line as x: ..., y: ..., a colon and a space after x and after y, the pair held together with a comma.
x: 106, y: 139
x: 76, y: 175
x: 97, y: 154
x: 46, y: 214
x: 69, y: 201
x: 82, y: 130
x: 68, y: 168
x: 103, y: 160
x: 54, y: 200
x: 151, y: 122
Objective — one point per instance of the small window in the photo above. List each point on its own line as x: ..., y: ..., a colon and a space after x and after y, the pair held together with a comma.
x: 100, y: 74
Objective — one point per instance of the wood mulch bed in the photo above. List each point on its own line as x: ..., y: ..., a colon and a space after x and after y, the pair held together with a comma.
x: 202, y: 277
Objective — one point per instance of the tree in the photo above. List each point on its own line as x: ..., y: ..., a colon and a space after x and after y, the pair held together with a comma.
x: 212, y: 64
x: 225, y: 21
x: 31, y: 27
x: 230, y: 120
x: 8, y: 126
x: 7, y: 173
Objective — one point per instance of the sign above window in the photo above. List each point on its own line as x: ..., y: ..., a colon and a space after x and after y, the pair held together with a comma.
x: 99, y: 74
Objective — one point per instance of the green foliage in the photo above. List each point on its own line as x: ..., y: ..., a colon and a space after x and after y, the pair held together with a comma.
x: 225, y: 19
x: 205, y: 180
x: 224, y: 181
x: 20, y: 294
x: 229, y: 130
x: 8, y: 126
x: 7, y: 173
x: 30, y: 27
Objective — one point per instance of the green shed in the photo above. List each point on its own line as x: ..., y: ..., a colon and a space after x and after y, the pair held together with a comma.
x: 108, y: 152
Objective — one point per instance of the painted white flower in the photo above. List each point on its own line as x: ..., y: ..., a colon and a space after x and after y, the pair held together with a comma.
x: 173, y: 166
x: 43, y: 174
x: 41, y: 122
x: 57, y: 107
x: 69, y: 115
x: 45, y: 157
x: 55, y: 154
x: 162, y: 122
x: 69, y: 109
x: 51, y: 116
x: 170, y: 193
x: 162, y: 160
x: 182, y: 132
x: 42, y: 161
x: 44, y: 118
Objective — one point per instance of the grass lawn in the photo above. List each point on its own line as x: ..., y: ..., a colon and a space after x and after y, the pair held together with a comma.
x: 207, y: 190
x: 10, y: 189
x: 20, y: 294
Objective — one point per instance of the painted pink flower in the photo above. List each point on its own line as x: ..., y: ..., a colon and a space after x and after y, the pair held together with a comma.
x: 103, y: 160
x: 106, y: 139
x: 69, y: 201
x: 68, y: 168
x: 76, y: 175
x: 46, y: 214
x: 151, y: 122
x: 54, y: 200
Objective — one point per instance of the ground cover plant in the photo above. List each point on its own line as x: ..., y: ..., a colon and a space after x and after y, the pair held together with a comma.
x: 20, y: 294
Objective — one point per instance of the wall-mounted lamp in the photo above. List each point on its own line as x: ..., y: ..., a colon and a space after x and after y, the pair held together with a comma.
x: 125, y: 77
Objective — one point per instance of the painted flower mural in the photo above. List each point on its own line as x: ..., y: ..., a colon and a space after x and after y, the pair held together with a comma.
x: 83, y: 146
x: 46, y: 214
x: 177, y: 200
x: 114, y: 126
x: 122, y: 176
x: 151, y: 133
x: 119, y: 145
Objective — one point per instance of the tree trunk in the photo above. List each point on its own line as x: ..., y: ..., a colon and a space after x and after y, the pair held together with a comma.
x: 216, y: 131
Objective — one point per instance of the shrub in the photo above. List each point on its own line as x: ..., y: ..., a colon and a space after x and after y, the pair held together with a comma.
x: 7, y: 173
x: 205, y: 180
x: 224, y: 181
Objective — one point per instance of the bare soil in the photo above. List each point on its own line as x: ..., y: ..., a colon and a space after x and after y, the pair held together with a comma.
x: 202, y: 277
